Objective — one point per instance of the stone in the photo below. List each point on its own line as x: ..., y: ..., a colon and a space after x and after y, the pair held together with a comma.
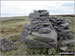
x: 44, y: 17
x: 46, y: 20
x: 6, y: 45
x: 60, y: 19
x: 68, y: 21
x: 64, y: 25
x: 36, y: 21
x: 53, y: 20
x: 44, y: 30
x: 48, y: 41
x: 58, y: 28
x: 26, y: 26
x: 34, y: 15
x: 23, y: 35
x: 44, y: 13
x: 2, y: 41
x: 47, y: 25
x: 38, y: 27
x: 64, y: 42
x: 45, y: 40
x: 35, y: 27
x: 52, y: 35
x: 37, y: 44
x: 64, y: 48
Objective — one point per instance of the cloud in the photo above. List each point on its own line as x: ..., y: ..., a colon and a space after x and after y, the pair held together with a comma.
x: 68, y: 4
x: 23, y: 8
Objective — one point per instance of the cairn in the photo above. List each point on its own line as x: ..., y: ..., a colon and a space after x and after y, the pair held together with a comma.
x: 42, y: 32
x: 45, y: 32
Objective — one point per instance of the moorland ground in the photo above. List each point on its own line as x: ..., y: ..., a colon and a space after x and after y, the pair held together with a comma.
x: 11, y: 27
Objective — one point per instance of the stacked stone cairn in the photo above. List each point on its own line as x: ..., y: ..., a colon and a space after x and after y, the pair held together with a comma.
x: 42, y: 32
x: 45, y: 32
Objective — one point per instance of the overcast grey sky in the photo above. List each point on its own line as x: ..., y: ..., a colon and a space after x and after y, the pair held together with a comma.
x: 23, y: 8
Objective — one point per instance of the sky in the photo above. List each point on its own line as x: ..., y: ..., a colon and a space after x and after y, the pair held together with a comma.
x: 23, y: 8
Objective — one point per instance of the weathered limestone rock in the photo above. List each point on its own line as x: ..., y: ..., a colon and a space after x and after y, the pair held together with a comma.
x: 6, y: 45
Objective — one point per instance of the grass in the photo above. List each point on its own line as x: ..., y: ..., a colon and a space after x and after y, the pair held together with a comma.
x: 11, y: 28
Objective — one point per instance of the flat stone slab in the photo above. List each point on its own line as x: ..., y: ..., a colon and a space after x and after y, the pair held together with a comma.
x: 44, y: 30
x: 51, y: 35
x: 38, y: 44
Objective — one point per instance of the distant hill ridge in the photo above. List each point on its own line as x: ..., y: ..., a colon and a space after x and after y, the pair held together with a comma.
x: 27, y: 16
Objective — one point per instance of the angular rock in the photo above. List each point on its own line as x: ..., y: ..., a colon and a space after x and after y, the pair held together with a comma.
x: 36, y: 21
x: 23, y: 35
x: 46, y: 20
x: 68, y: 21
x: 44, y: 17
x: 64, y: 25
x: 6, y: 45
x: 44, y: 30
x: 64, y: 48
x: 34, y: 15
x: 44, y: 13
x: 52, y: 35
x: 45, y: 40
x: 67, y: 42
x: 47, y: 25
x: 54, y: 20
